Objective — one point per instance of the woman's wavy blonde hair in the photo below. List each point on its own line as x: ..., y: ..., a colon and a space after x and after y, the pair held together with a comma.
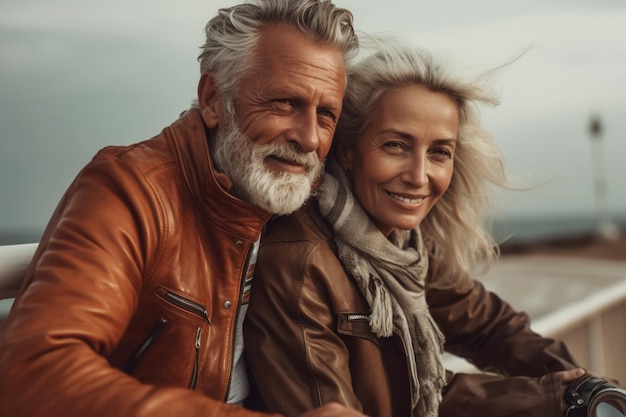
x: 455, y: 230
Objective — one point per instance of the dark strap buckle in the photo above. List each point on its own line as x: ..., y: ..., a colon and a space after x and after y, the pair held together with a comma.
x: 580, y: 394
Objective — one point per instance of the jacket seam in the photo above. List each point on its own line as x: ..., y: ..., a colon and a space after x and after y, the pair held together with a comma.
x: 315, y: 245
x: 161, y: 220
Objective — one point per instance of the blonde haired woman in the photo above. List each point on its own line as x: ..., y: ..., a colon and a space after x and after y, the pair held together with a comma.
x: 358, y: 293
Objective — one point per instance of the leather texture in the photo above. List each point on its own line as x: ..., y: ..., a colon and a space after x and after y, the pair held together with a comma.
x: 138, y: 272
x: 307, y: 331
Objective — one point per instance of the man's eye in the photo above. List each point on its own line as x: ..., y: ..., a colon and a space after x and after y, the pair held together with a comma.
x: 283, y: 102
x: 394, y: 145
x: 327, y: 113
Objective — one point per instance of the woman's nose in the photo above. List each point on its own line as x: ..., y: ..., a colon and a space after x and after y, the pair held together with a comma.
x: 416, y: 172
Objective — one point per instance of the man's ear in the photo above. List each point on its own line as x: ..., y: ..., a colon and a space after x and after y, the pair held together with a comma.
x: 209, y: 100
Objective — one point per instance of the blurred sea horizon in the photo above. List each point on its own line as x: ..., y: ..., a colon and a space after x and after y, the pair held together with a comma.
x: 528, y: 229
x: 513, y: 229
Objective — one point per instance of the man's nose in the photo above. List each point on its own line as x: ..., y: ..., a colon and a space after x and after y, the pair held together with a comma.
x: 306, y: 132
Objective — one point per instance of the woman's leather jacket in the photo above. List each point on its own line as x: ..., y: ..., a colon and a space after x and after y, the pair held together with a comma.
x: 139, y: 272
x: 308, y: 325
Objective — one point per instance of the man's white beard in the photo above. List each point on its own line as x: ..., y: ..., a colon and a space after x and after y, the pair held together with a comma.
x: 243, y: 161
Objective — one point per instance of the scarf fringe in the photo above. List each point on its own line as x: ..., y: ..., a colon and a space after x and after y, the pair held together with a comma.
x: 380, y: 322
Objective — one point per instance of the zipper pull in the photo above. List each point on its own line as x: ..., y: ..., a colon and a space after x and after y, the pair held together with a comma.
x: 198, y: 338
x: 194, y: 375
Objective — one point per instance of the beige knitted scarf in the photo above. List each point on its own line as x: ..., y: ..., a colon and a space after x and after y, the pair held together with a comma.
x: 390, y: 273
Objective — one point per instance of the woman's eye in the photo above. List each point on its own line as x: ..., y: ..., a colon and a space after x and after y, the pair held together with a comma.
x: 443, y: 152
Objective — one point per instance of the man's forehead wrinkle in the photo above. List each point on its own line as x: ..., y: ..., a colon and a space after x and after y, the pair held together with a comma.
x: 323, y: 74
x: 321, y: 70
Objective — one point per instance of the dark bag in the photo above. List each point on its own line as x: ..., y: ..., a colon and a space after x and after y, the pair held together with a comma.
x: 594, y: 397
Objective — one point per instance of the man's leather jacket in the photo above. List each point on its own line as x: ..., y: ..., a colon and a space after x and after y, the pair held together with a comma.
x: 139, y: 272
x: 308, y: 323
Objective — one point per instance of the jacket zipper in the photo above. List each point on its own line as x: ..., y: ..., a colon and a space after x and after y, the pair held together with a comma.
x: 147, y: 343
x: 194, y: 375
x: 352, y: 317
x: 187, y: 304
x: 198, y: 310
x: 242, y: 279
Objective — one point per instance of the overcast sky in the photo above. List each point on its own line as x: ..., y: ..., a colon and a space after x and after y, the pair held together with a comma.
x: 77, y: 75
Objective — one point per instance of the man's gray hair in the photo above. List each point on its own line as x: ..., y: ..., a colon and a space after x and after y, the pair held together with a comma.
x: 232, y: 35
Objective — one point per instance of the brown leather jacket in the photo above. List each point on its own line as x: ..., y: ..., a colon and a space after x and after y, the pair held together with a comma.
x: 138, y: 272
x: 307, y: 322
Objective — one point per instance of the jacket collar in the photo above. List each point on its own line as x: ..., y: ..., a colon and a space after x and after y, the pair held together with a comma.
x: 192, y: 151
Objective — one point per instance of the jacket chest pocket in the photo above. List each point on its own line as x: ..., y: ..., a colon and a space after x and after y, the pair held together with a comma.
x: 358, y: 325
x: 170, y: 353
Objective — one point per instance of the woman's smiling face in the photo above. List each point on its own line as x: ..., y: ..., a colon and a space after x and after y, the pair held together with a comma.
x: 403, y: 161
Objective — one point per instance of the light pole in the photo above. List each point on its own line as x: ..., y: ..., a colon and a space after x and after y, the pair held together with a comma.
x: 606, y: 227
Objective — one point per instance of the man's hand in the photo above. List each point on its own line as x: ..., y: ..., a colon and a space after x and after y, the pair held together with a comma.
x: 567, y: 377
x: 570, y: 375
x: 333, y: 410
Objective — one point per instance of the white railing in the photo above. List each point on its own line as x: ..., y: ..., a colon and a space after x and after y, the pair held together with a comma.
x: 594, y: 330
x: 14, y: 260
x: 579, y: 301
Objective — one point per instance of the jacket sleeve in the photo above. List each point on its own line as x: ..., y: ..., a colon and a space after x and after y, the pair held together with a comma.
x: 78, y: 297
x: 484, y: 329
x: 520, y: 363
x: 470, y: 395
x: 290, y: 330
